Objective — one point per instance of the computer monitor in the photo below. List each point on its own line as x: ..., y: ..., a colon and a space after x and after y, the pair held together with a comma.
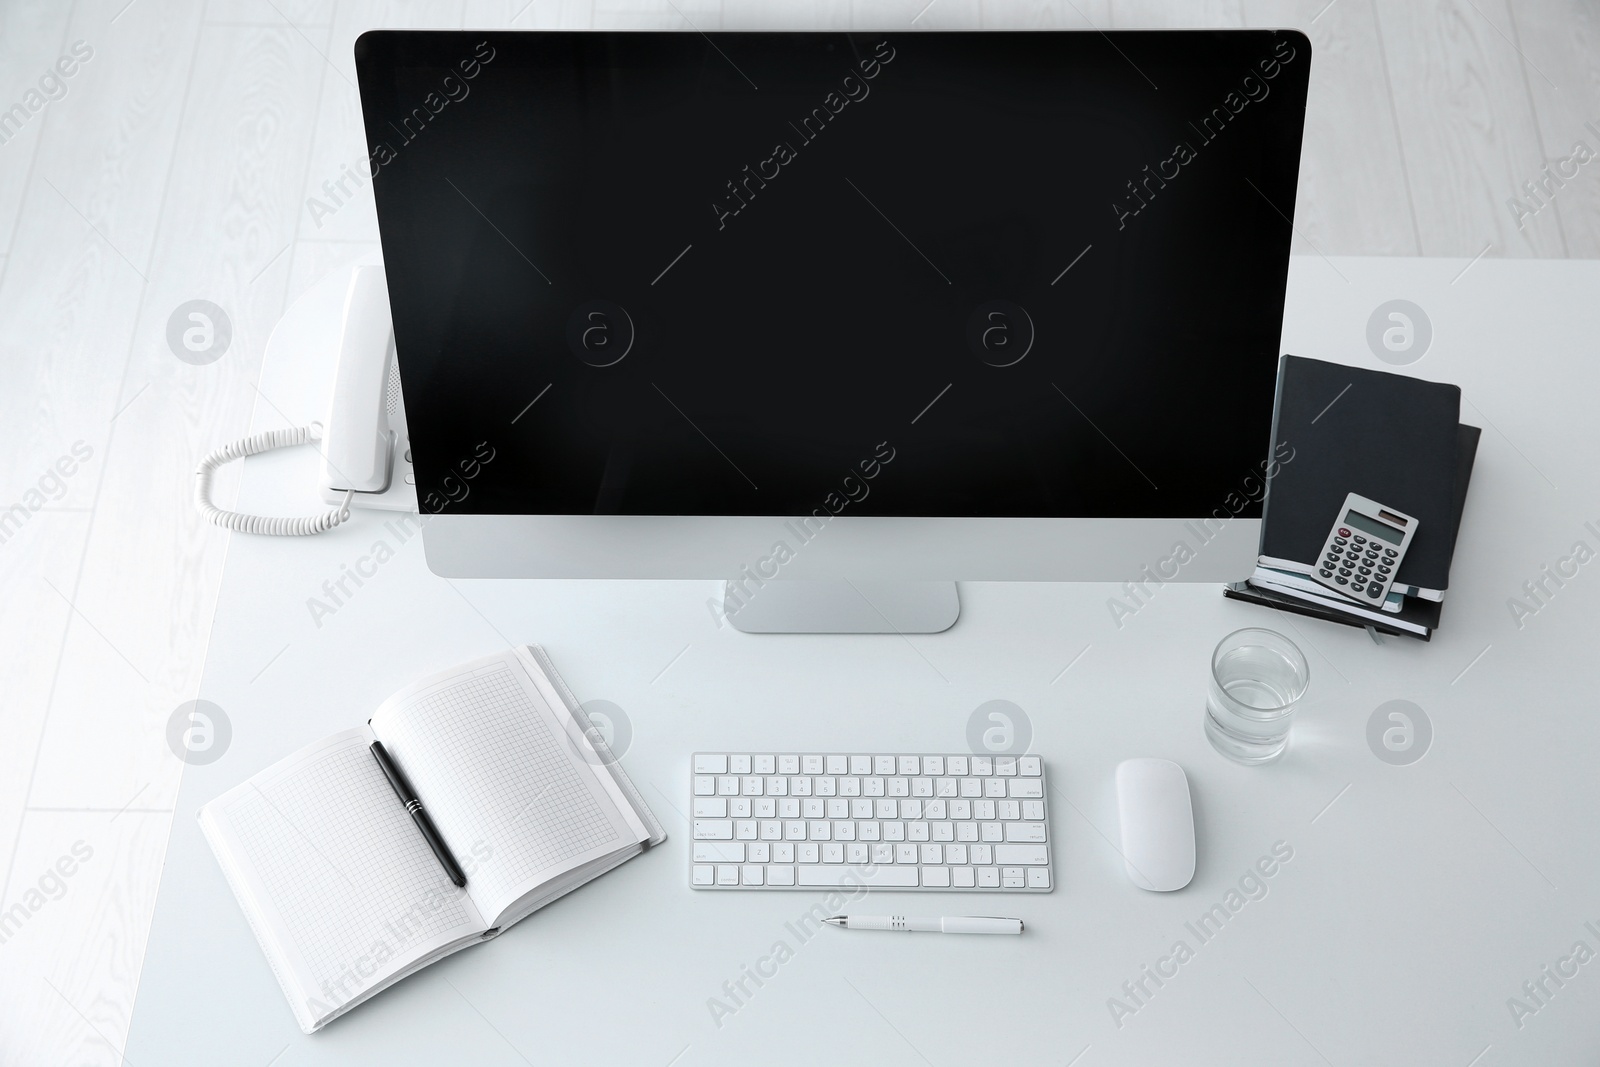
x: 863, y: 309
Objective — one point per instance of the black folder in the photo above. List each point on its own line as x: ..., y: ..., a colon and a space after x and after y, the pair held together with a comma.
x: 1401, y: 443
x: 1394, y: 439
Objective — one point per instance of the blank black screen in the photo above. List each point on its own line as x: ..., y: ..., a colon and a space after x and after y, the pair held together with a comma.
x: 1005, y: 274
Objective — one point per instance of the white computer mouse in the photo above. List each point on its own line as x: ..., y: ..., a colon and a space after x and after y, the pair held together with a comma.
x: 1157, y: 823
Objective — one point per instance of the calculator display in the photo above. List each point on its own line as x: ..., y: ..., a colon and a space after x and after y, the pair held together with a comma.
x: 1373, y: 527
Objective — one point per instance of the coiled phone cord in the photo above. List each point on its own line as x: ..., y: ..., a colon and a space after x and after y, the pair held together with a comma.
x: 261, y: 524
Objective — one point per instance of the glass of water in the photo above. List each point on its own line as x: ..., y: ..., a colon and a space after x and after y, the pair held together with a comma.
x: 1257, y: 678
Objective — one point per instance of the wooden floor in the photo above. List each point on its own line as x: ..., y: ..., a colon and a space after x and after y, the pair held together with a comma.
x: 177, y: 162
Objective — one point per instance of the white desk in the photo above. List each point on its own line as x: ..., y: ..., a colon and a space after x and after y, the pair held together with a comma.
x: 1418, y: 899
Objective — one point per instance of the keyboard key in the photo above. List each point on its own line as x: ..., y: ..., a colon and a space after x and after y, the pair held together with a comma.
x: 1025, y: 831
x: 728, y: 786
x: 905, y: 853
x: 933, y: 765
x: 1011, y: 878
x: 710, y: 808
x: 982, y: 765
x: 955, y: 854
x: 788, y: 764
x: 777, y: 786
x: 994, y: 787
x: 794, y: 830
x: 1006, y: 766
x: 1033, y: 809
x: 727, y: 876
x: 806, y: 853
x: 1008, y: 809
x: 931, y: 854
x: 810, y: 764
x: 899, y: 787
x: 812, y: 809
x: 1025, y: 787
x: 764, y: 765
x: 922, y: 787
x: 711, y: 765
x: 750, y: 785
x: 832, y: 853
x: 991, y: 831
x: 799, y: 786
x: 882, y: 765
x: 703, y: 874
x: 855, y: 853
x: 788, y: 809
x: 972, y: 787
x: 849, y: 787
x: 911, y: 809
x: 861, y: 765
x: 752, y: 876
x: 780, y: 875
x: 943, y: 831
x: 962, y: 878
x: 705, y: 786
x: 836, y: 765
x: 1038, y: 877
x: 739, y: 807
x: 983, y: 809
x: 956, y: 766
x: 759, y: 852
x: 872, y: 787
x: 988, y: 878
x: 712, y: 852
x: 827, y: 787
x: 983, y: 854
x: 910, y: 765
x: 744, y: 830
x: 936, y: 877
x: 713, y: 830
x: 838, y: 809
x: 738, y: 765
x: 821, y: 830
x: 1021, y: 854
x: 882, y: 853
x: 782, y: 852
x: 966, y: 831
x: 767, y: 808
x: 881, y: 878
x: 844, y: 830
x: 917, y: 831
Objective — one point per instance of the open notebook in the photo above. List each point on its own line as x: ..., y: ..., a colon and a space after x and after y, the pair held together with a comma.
x: 338, y: 883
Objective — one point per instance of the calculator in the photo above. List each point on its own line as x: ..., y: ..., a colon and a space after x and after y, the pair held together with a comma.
x: 1364, y: 550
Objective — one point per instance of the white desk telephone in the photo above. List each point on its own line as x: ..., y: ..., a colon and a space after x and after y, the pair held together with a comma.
x: 366, y: 454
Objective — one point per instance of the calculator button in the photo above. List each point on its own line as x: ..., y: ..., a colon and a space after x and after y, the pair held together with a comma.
x: 1375, y: 592
x: 1326, y: 573
x: 1345, y: 571
x: 1343, y: 532
x: 1382, y: 569
x: 1391, y: 553
x: 1364, y: 570
x: 1342, y: 581
x: 1340, y: 541
x: 1358, y: 539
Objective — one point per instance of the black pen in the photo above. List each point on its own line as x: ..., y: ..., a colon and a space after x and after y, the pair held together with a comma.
x: 419, y: 814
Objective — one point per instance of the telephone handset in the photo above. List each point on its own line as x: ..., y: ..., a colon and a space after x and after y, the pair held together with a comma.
x: 366, y: 449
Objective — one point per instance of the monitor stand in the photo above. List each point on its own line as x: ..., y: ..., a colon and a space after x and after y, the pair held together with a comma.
x: 845, y: 606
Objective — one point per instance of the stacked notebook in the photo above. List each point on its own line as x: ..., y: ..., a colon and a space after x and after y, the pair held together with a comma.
x: 337, y: 881
x: 1388, y: 437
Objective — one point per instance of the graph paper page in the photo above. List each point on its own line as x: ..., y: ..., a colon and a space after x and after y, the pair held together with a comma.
x: 506, y: 782
x: 337, y: 881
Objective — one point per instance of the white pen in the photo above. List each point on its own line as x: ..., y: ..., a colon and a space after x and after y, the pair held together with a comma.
x: 949, y: 924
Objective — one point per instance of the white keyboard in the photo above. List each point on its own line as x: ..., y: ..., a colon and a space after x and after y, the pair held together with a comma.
x: 950, y: 823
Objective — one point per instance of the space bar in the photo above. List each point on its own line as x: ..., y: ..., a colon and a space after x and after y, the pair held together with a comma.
x: 884, y: 876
